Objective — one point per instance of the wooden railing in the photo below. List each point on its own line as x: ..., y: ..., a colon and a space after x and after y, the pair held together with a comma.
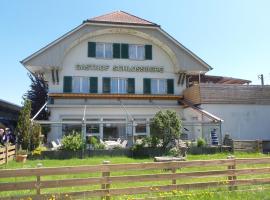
x: 229, y: 177
x: 7, y: 153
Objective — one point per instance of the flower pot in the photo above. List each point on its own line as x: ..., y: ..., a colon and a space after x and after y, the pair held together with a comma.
x: 21, y: 158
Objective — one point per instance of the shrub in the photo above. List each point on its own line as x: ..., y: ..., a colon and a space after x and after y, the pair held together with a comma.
x: 38, y: 150
x: 166, y: 126
x: 95, y: 143
x: 72, y: 142
x: 201, y: 142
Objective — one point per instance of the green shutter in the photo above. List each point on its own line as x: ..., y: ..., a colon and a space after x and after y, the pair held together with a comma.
x: 124, y: 51
x: 131, y: 86
x: 116, y: 50
x: 93, y: 84
x: 148, y: 52
x: 67, y: 87
x: 91, y: 49
x: 147, y: 86
x: 106, y: 86
x: 170, y: 86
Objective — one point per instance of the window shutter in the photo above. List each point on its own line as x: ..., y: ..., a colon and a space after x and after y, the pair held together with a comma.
x: 116, y: 50
x: 131, y: 86
x: 124, y: 51
x: 170, y: 86
x: 147, y: 86
x: 148, y: 52
x: 67, y: 87
x: 93, y: 84
x: 106, y: 85
x: 91, y: 49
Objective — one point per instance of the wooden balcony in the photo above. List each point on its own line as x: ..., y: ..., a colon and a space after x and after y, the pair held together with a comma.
x: 227, y: 94
x: 113, y: 96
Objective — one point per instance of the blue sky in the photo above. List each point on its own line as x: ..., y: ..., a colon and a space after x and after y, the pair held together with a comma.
x: 233, y: 36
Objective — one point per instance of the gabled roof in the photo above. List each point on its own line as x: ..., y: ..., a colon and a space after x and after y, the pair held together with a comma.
x: 121, y: 17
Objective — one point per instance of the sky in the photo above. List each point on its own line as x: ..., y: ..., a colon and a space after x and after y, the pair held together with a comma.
x: 232, y: 36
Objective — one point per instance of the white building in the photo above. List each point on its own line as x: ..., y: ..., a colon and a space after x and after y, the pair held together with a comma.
x: 111, y: 74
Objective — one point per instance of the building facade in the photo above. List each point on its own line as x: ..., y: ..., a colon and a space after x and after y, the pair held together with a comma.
x: 110, y: 75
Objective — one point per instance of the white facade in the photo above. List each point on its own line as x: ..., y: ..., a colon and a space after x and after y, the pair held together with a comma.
x: 243, y: 121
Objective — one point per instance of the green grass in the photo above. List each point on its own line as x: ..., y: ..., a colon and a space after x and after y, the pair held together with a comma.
x: 115, y: 160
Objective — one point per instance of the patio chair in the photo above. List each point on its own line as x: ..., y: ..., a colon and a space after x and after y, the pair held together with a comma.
x: 58, y: 142
x: 55, y: 146
x: 124, y: 144
x: 118, y: 140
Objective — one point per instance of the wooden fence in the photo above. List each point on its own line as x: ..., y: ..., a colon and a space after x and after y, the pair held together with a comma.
x: 247, y: 145
x: 7, y: 153
x: 228, y: 176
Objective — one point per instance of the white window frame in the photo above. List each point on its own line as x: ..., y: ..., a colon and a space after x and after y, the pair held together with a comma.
x: 136, y: 52
x: 81, y: 84
x: 104, y: 50
x: 118, y: 85
x: 158, y: 85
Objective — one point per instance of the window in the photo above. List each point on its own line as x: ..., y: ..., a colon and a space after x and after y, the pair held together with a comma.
x: 119, y: 85
x: 136, y: 52
x: 140, y: 128
x: 104, y: 50
x: 80, y: 84
x: 92, y: 129
x: 70, y: 128
x: 158, y: 86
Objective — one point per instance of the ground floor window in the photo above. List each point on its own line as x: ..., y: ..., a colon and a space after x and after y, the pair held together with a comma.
x: 92, y: 129
x: 140, y: 128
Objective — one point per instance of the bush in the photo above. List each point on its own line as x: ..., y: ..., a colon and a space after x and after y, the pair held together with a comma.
x: 95, y: 143
x: 72, y: 142
x: 201, y: 142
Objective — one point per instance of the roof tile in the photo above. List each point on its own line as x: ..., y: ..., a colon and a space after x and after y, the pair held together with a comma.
x: 121, y: 17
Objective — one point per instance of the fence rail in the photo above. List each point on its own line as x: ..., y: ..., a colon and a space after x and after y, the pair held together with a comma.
x: 230, y: 173
x: 7, y: 153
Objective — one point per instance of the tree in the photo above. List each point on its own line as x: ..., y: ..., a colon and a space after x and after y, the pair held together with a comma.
x: 28, y: 133
x: 166, y: 126
x: 38, y: 95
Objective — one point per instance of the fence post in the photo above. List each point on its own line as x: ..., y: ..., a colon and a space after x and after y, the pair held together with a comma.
x: 232, y: 178
x: 38, y: 184
x: 106, y: 185
x: 6, y: 154
x: 173, y: 172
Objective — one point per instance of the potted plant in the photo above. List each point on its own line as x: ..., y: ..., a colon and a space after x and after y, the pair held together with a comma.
x: 21, y: 156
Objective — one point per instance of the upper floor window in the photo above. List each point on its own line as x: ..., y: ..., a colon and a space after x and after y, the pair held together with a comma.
x: 119, y: 50
x: 104, y: 50
x: 158, y: 86
x: 136, y: 52
x: 80, y: 84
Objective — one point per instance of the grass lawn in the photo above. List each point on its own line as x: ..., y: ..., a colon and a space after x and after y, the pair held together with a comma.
x: 260, y: 191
